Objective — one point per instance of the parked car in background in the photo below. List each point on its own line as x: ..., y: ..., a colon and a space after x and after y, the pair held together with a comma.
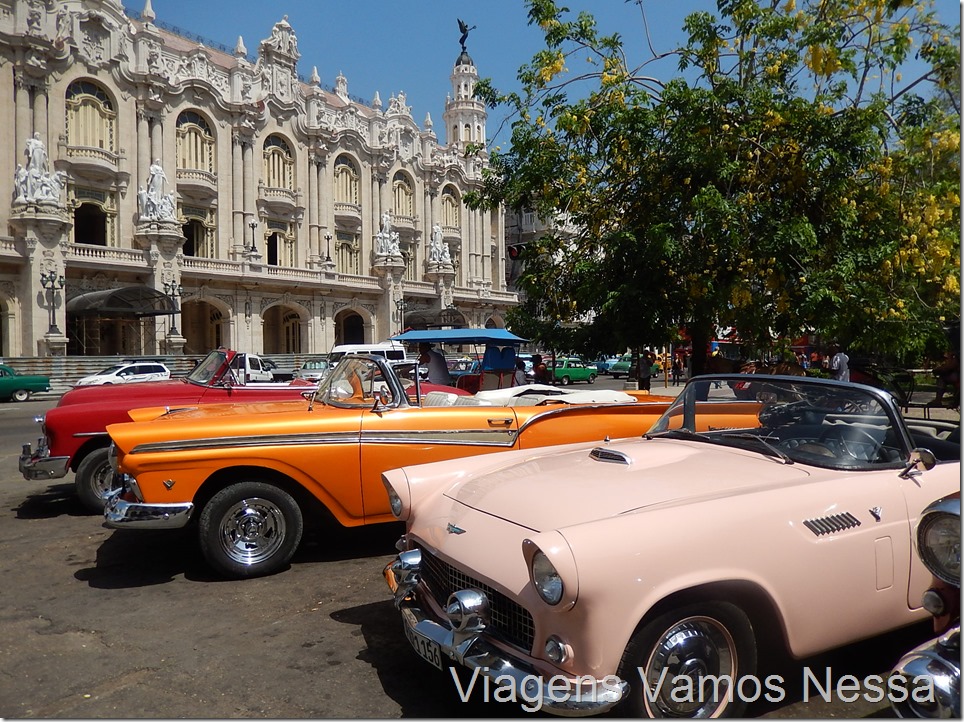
x: 73, y: 434
x: 939, y: 547
x: 464, y: 367
x: 570, y: 370
x: 313, y: 370
x: 128, y: 372
x: 18, y: 387
x: 593, y: 575
x: 247, y: 477
x: 621, y: 367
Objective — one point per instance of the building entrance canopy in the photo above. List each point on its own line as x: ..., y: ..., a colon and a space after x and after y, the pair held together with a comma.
x: 127, y: 302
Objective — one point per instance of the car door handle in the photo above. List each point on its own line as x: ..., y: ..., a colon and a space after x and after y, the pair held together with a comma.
x: 500, y: 422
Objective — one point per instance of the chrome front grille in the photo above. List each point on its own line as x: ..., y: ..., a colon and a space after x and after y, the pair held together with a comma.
x: 509, y: 621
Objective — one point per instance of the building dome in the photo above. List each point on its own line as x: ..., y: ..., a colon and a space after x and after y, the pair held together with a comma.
x: 464, y: 59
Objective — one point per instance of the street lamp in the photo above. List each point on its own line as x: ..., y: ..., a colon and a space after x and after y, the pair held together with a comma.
x: 252, y: 225
x: 327, y: 248
x: 52, y: 282
x: 173, y: 291
x: 400, y: 306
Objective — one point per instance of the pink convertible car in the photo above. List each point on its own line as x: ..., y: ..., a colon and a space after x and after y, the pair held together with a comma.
x: 647, y: 572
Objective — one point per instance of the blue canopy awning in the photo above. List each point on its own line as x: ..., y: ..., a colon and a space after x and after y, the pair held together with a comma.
x: 487, y: 336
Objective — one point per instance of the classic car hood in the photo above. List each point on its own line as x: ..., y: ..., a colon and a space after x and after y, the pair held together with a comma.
x: 153, y: 391
x: 531, y: 492
x: 183, y: 412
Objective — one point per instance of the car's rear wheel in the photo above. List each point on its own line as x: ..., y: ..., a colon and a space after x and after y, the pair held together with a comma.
x: 615, y: 376
x: 707, y: 646
x: 592, y: 378
x: 94, y: 480
x: 566, y: 380
x: 250, y: 529
x: 20, y: 395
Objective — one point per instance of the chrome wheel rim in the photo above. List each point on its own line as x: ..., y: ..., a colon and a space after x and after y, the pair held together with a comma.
x: 695, y: 648
x: 102, y: 481
x: 252, y: 531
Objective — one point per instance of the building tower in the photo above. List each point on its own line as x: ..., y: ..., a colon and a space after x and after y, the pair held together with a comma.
x: 464, y: 115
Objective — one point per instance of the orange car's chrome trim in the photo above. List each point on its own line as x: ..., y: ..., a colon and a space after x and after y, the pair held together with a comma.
x: 475, y: 437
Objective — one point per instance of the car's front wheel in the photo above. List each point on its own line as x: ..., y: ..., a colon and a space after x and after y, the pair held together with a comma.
x: 94, y: 480
x: 20, y: 395
x: 592, y: 378
x: 688, y: 662
x: 250, y: 529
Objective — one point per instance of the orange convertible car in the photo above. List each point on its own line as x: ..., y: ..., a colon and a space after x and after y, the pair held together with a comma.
x: 246, y: 476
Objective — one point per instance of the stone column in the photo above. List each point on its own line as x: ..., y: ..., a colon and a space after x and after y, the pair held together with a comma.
x: 40, y: 112
x: 143, y: 146
x: 313, y: 250
x: 22, y: 118
x: 238, y: 226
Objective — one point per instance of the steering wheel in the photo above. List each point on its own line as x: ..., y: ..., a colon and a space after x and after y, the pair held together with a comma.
x: 843, y: 436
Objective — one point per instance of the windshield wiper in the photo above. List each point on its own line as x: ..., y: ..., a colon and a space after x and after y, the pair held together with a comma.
x: 762, y: 440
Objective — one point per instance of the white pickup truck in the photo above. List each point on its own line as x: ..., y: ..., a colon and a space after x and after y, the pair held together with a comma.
x: 250, y: 368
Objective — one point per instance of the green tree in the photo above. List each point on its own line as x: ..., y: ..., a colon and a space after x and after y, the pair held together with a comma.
x: 788, y: 181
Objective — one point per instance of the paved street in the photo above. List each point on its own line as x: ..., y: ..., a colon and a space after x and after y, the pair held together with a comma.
x: 102, y: 623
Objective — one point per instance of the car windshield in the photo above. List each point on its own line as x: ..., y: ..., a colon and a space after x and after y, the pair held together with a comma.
x: 208, y: 368
x: 796, y: 419
x: 110, y: 371
x: 356, y: 380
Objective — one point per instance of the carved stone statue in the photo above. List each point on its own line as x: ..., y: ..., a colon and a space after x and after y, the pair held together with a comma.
x: 34, y: 183
x: 386, y: 240
x: 438, y: 251
x: 153, y: 204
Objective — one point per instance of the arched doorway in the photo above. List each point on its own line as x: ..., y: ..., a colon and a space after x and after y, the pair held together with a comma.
x: 349, y: 328
x: 205, y: 326
x: 283, y: 330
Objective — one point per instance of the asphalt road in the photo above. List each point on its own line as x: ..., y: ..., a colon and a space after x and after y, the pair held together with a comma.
x: 103, y: 623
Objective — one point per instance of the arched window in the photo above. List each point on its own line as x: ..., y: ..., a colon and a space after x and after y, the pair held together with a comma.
x: 279, y: 164
x: 450, y: 209
x: 468, y: 133
x: 91, y: 119
x: 346, y: 180
x: 200, y: 231
x: 195, y: 143
x: 404, y: 197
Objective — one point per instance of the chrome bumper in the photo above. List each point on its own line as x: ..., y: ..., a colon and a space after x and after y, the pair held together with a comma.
x: 122, y: 514
x: 467, y: 645
x: 38, y: 465
x: 938, y: 661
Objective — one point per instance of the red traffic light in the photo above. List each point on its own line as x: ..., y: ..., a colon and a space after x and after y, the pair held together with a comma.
x: 514, y: 252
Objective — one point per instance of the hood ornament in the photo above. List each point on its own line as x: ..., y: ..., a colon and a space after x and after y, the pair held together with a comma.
x: 452, y: 529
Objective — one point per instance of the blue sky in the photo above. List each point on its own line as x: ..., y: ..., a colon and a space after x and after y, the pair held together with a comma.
x: 393, y: 45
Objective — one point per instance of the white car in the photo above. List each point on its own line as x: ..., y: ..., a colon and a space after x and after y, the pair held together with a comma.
x: 127, y: 373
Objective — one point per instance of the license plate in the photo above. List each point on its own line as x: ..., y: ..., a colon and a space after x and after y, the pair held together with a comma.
x: 425, y: 647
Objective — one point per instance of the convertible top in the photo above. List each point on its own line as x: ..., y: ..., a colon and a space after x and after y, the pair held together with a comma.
x: 488, y: 336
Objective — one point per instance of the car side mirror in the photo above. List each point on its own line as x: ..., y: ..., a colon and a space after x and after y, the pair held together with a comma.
x: 921, y: 460
x: 382, y: 401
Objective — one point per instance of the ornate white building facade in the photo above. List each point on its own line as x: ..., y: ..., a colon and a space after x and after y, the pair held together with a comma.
x: 167, y: 197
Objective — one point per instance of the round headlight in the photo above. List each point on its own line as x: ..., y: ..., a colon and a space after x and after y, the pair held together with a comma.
x: 546, y: 579
x: 395, y: 501
x: 939, y: 545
